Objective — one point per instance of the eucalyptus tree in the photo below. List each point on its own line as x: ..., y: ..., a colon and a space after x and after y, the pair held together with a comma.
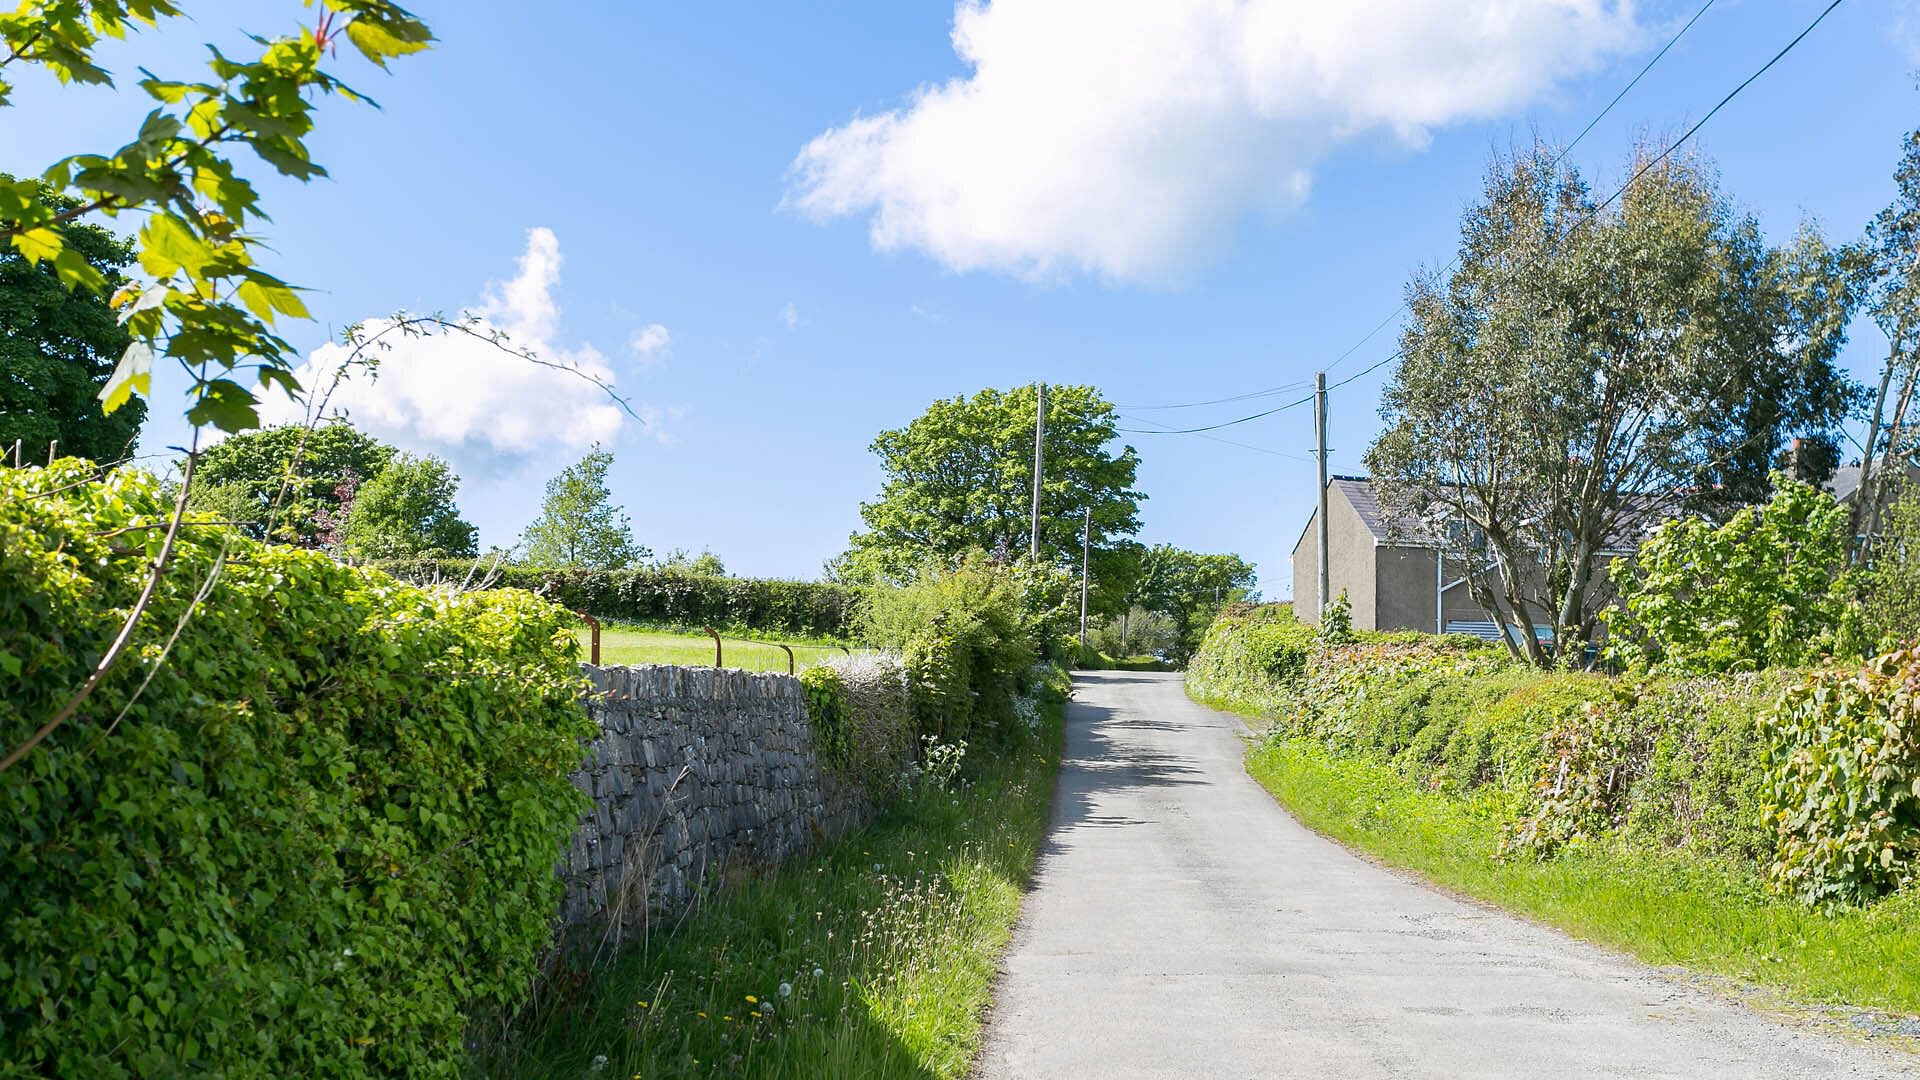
x: 1888, y: 257
x: 1592, y: 366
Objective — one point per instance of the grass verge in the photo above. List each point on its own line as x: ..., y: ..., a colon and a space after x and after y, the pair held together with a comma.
x: 1663, y: 907
x: 875, y: 959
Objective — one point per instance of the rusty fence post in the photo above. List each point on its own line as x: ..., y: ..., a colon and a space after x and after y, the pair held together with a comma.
x: 789, y: 650
x: 715, y: 635
x: 595, y: 625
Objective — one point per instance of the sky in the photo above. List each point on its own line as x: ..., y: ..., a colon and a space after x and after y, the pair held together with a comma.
x: 781, y: 229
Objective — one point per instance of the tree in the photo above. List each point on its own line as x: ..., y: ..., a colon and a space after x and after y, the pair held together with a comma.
x: 960, y: 477
x: 407, y: 510
x: 579, y: 525
x: 244, y: 476
x: 1189, y: 588
x: 705, y: 564
x: 1886, y: 258
x: 206, y: 305
x: 1590, y: 369
x: 57, y: 349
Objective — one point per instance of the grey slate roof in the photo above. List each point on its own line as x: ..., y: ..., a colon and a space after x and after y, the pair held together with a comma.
x: 1412, y: 532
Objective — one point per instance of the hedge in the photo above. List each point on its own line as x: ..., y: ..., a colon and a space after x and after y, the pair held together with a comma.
x: 676, y: 597
x: 1810, y: 778
x: 318, y: 841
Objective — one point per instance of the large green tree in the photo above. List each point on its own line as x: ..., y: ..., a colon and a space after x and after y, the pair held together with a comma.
x: 58, y: 346
x: 406, y: 510
x: 310, y: 476
x: 1588, y: 369
x: 579, y: 524
x: 960, y: 477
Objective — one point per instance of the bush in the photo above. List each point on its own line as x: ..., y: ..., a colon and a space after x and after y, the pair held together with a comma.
x: 318, y: 840
x: 678, y: 596
x: 1770, y: 588
x: 877, y: 719
x: 1843, y: 751
x: 969, y: 640
x: 827, y: 713
x: 1557, y: 758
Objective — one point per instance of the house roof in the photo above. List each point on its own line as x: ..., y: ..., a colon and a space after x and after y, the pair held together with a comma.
x: 1405, y: 530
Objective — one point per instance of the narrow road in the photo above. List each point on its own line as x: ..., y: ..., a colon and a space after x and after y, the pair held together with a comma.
x: 1183, y: 925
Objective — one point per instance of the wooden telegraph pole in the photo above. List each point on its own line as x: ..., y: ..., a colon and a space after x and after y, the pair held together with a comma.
x: 1039, y: 461
x: 1086, y: 550
x: 1320, y: 439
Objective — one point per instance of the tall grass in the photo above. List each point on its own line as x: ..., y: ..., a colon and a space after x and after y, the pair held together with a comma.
x: 874, y: 959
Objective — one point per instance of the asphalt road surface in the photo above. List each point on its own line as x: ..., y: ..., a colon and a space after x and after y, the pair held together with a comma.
x: 1182, y: 925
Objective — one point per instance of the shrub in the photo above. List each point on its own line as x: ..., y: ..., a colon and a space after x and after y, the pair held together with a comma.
x: 1770, y: 588
x: 679, y: 596
x: 968, y: 638
x: 827, y: 713
x: 316, y: 841
x: 1843, y: 783
x: 1253, y: 654
x: 878, y: 719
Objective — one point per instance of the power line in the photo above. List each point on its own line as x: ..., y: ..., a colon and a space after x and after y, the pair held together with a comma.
x: 1558, y: 158
x: 1562, y: 156
x: 1592, y: 214
x: 1164, y: 430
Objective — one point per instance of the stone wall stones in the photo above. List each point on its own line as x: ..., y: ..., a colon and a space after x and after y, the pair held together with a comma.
x: 697, y: 772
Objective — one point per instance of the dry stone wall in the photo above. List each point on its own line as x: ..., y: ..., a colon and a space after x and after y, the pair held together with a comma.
x: 696, y: 773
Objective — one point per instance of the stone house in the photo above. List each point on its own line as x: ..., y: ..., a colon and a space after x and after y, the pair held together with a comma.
x: 1395, y: 576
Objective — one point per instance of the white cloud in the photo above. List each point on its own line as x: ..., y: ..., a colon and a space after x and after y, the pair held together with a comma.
x: 448, y: 390
x: 651, y: 343
x: 790, y: 316
x: 1123, y: 137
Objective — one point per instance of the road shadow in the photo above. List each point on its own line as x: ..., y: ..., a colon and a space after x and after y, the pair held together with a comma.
x: 1106, y: 754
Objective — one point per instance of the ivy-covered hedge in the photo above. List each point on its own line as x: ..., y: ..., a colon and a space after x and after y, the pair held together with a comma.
x: 677, y: 597
x: 310, y: 839
x: 1811, y: 779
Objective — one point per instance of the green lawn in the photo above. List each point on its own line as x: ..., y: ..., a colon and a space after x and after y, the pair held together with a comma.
x: 640, y: 645
x: 1664, y: 907
x: 875, y: 959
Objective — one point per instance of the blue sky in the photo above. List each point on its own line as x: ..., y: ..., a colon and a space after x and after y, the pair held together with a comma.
x: 1025, y: 234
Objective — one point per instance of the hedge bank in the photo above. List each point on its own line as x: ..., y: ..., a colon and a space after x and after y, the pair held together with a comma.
x: 1811, y: 779
x: 311, y: 839
x: 664, y: 596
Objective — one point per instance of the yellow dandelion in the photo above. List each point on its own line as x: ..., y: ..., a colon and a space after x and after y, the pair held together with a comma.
x: 751, y: 1000
x: 728, y: 1019
x: 701, y: 1015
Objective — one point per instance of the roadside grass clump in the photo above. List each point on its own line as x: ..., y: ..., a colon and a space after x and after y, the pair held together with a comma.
x: 874, y: 958
x: 311, y: 839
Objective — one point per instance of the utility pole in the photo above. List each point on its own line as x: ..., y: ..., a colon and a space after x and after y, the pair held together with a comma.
x: 1086, y: 559
x: 1039, y: 461
x: 1320, y: 438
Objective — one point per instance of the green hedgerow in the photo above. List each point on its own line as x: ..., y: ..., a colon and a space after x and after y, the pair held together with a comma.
x: 312, y: 839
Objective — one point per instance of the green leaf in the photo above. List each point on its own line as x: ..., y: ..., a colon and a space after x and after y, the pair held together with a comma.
x: 133, y: 375
x: 37, y: 244
x: 379, y: 39
x: 76, y: 272
x: 167, y: 245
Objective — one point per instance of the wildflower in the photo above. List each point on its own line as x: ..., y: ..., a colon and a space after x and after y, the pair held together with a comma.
x: 728, y: 1019
x: 642, y: 1004
x: 701, y: 1015
x: 818, y: 972
x: 786, y: 989
x: 599, y: 1062
x: 751, y: 1000
x: 766, y: 1008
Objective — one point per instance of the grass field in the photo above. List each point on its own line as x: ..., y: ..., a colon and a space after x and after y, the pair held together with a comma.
x: 875, y: 959
x: 640, y: 645
x: 1664, y: 907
